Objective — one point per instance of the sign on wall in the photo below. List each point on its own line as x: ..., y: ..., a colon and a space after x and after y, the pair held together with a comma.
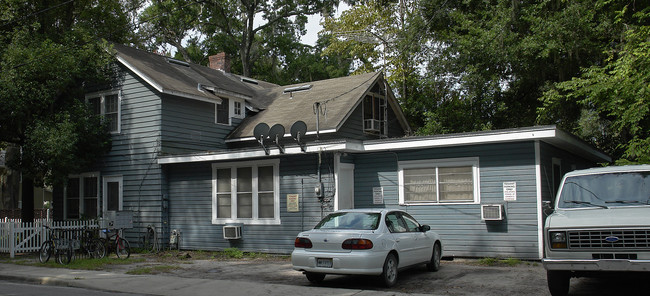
x: 510, y: 191
x: 377, y: 195
x: 293, y: 204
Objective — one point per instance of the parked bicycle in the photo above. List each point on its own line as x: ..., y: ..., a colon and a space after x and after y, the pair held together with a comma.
x: 117, y: 243
x: 57, y: 245
x: 89, y: 244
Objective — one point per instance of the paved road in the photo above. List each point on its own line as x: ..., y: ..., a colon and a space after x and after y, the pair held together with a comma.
x: 276, y: 277
x: 22, y: 289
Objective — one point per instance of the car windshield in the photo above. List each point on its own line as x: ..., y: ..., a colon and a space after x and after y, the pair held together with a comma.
x: 350, y: 220
x: 606, y: 190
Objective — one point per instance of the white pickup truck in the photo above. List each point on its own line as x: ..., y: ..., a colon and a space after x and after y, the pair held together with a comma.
x: 600, y: 224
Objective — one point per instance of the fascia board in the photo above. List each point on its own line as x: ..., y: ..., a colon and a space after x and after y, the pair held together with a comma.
x: 346, y: 146
x: 462, y: 140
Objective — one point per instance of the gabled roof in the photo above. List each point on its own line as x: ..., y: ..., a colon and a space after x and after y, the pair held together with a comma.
x: 183, y: 79
x: 338, y: 98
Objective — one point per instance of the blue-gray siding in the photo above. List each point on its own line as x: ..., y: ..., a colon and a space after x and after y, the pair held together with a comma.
x: 190, y: 189
x: 462, y: 231
x: 134, y: 153
x: 189, y: 126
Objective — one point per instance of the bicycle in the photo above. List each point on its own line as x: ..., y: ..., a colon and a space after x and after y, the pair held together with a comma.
x: 90, y: 244
x: 58, y: 246
x: 117, y: 243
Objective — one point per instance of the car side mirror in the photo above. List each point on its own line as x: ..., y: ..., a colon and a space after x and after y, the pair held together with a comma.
x: 425, y: 228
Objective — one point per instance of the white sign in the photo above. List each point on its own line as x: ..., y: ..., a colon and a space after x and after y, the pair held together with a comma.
x: 377, y: 195
x: 509, y: 191
x: 293, y: 203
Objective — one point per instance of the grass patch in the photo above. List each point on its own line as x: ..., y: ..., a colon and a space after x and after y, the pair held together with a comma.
x: 233, y: 253
x: 153, y: 269
x: 499, y: 262
x: 89, y: 264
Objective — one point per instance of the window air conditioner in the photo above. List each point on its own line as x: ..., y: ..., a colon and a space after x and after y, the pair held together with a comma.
x: 371, y: 125
x: 492, y: 212
x: 231, y: 232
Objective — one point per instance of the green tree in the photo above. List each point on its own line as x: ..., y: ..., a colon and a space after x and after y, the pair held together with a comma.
x: 613, y: 98
x: 230, y: 25
x: 500, y: 56
x: 50, y: 50
x: 385, y: 36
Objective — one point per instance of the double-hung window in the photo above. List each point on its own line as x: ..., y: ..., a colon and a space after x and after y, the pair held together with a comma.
x: 81, y: 196
x: 107, y: 105
x: 439, y: 181
x: 246, y: 192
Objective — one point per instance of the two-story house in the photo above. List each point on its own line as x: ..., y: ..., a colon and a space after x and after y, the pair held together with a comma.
x: 202, y: 151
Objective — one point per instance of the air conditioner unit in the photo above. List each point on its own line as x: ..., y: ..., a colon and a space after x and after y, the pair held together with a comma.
x: 231, y: 232
x: 492, y: 212
x: 371, y: 125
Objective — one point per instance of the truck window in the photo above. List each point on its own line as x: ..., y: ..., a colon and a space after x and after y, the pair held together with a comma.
x: 606, y: 190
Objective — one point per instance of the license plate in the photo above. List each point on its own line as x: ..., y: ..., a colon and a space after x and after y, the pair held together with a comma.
x: 324, y: 262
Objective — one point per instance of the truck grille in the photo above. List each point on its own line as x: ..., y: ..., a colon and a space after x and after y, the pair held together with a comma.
x: 610, y: 239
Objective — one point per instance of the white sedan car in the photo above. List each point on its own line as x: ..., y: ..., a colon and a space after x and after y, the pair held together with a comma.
x: 366, y: 241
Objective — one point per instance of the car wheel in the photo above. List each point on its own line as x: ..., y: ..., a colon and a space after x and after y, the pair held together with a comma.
x: 434, y: 264
x: 315, y: 278
x: 389, y: 276
x: 558, y: 282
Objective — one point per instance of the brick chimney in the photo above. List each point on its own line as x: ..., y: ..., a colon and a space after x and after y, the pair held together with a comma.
x: 220, y: 61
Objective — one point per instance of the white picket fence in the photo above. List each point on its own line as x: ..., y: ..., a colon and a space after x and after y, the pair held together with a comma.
x: 18, y: 237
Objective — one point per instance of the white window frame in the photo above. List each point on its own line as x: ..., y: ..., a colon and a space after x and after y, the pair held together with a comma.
x: 233, y: 109
x: 275, y: 163
x: 82, y: 198
x: 120, y: 181
x: 437, y: 163
x: 102, y: 98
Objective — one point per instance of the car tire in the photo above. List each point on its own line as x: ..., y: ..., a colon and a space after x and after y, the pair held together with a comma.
x: 558, y: 282
x: 389, y: 275
x: 434, y: 264
x: 314, y: 277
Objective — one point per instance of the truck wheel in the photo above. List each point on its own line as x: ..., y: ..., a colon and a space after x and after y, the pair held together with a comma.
x: 558, y: 282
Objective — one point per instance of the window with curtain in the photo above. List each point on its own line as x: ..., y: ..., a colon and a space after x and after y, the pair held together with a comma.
x: 441, y: 181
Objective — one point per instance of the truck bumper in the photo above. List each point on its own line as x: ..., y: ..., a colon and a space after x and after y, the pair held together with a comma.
x: 597, y: 265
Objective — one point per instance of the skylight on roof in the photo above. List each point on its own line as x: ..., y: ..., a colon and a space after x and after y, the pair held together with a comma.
x: 297, y: 88
x: 248, y: 80
x: 178, y: 62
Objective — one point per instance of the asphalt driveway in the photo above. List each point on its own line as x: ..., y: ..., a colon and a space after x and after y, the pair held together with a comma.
x: 459, y: 277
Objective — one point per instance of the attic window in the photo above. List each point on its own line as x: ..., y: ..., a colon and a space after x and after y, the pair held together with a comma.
x: 178, y: 62
x: 251, y: 81
x: 297, y: 88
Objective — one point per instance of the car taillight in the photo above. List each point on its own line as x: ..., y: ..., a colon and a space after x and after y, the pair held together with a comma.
x: 357, y: 244
x: 302, y: 242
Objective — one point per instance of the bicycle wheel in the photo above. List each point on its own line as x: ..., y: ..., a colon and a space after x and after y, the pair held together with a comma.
x: 122, y: 249
x: 97, y: 249
x: 64, y: 256
x: 45, y: 252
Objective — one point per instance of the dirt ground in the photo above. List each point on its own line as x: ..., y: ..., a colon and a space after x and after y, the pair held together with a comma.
x: 458, y: 277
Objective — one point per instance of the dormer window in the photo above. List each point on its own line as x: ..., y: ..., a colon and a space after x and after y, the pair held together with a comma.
x: 237, y: 108
x: 229, y: 108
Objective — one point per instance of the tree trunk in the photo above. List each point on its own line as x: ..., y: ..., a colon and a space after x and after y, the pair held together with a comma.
x: 27, y: 213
